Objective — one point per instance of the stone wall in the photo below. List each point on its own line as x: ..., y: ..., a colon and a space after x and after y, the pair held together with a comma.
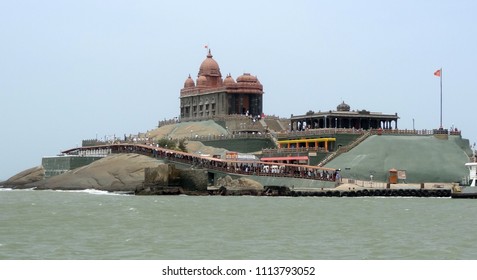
x: 166, y: 179
x: 164, y: 175
x: 194, y: 180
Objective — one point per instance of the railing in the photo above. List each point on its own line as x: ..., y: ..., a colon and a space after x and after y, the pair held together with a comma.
x: 363, y: 183
x: 423, y: 132
x: 320, y: 131
x: 228, y: 166
x: 356, y: 142
x: 167, y: 122
x: 229, y: 136
x: 92, y: 142
x: 344, y: 149
x: 218, y: 118
x: 294, y: 150
x: 328, y: 131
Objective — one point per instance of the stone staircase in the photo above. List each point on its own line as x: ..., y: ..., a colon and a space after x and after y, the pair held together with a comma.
x: 272, y: 124
x: 344, y: 149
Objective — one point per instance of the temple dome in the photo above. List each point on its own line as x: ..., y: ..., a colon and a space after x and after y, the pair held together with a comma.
x: 209, y: 67
x: 189, y: 83
x: 247, y: 78
x: 229, y: 80
x: 343, y: 107
x: 202, y: 81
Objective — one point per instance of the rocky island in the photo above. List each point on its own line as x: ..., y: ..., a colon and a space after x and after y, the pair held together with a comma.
x: 222, y: 143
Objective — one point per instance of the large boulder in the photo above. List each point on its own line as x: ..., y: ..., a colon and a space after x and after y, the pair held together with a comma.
x: 22, y: 179
x: 119, y: 172
x: 240, y: 186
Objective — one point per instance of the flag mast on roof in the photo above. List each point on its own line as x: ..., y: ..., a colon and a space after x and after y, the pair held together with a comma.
x: 438, y: 73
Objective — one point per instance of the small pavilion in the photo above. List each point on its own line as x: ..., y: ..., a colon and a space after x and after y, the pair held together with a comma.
x: 343, y: 117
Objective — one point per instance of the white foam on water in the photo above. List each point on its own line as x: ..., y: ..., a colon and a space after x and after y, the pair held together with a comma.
x: 10, y: 189
x: 92, y: 191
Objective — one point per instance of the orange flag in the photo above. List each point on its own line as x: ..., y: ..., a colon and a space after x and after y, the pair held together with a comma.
x: 437, y: 73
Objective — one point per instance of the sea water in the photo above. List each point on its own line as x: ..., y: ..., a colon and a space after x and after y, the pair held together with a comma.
x: 99, y: 225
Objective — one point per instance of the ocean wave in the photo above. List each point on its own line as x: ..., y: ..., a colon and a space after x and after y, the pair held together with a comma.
x: 96, y: 192
x: 11, y: 189
x: 89, y: 191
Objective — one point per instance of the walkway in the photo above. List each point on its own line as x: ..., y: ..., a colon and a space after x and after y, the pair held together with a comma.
x: 241, y: 167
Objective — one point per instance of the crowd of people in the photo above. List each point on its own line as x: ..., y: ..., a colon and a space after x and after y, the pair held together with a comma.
x: 230, y: 166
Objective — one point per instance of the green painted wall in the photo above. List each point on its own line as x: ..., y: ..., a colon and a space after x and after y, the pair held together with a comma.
x: 345, y: 139
x: 244, y: 145
x: 314, y: 160
x: 424, y: 158
x: 57, y: 165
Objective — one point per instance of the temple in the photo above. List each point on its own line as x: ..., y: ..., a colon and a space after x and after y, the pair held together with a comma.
x: 343, y: 117
x: 210, y: 95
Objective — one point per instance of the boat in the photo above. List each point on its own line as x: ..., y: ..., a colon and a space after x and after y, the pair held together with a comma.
x: 469, y: 191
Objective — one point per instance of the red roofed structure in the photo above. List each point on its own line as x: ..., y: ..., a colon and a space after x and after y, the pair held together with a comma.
x: 212, y: 96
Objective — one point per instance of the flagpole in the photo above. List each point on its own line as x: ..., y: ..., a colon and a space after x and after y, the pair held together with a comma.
x: 441, y: 96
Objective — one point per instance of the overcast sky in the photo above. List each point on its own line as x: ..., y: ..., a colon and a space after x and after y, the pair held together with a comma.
x: 73, y: 70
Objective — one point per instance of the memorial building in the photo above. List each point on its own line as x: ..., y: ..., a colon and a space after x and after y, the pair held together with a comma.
x: 210, y: 95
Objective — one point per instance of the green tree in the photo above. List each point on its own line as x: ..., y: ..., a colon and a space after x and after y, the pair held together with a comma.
x: 167, y: 143
x: 182, y: 145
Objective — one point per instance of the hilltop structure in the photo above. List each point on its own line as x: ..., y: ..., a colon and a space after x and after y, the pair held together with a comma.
x: 343, y: 117
x: 212, y: 96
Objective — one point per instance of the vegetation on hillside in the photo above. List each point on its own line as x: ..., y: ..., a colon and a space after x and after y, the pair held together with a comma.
x: 173, y: 144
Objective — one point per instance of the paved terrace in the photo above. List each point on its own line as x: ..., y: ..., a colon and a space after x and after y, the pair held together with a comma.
x: 332, y: 131
x: 241, y: 167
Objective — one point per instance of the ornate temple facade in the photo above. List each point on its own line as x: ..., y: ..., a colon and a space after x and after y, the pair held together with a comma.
x: 210, y: 95
x: 343, y: 117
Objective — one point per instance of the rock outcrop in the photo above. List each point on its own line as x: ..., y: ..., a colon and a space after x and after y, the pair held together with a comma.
x: 240, y: 186
x: 22, y: 179
x: 188, y: 129
x: 115, y: 173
